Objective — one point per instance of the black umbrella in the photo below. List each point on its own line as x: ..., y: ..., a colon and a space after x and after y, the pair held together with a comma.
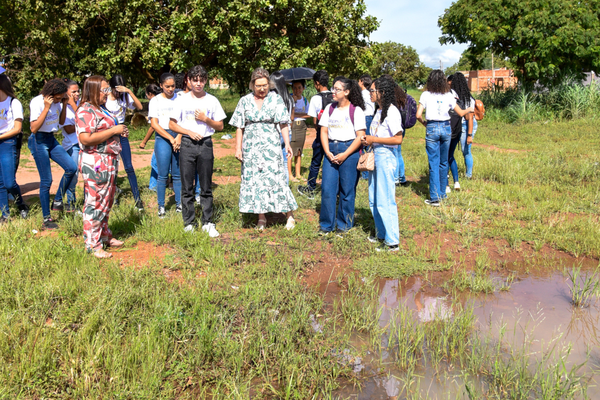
x: 292, y: 74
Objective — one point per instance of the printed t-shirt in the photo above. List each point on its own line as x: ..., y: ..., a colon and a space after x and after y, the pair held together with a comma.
x: 9, y: 113
x: 70, y: 139
x: 437, y: 105
x: 316, y: 105
x: 36, y: 106
x: 339, y: 125
x: 119, y: 107
x: 390, y: 127
x: 301, y: 106
x: 369, y: 105
x: 161, y: 108
x: 185, y: 106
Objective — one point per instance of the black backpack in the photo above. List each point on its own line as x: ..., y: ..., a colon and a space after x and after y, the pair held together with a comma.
x: 409, y: 113
x: 326, y: 99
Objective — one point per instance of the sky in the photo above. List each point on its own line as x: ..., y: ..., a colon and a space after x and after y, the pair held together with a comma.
x: 414, y: 23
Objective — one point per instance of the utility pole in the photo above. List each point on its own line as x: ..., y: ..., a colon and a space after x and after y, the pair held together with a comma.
x: 441, y: 66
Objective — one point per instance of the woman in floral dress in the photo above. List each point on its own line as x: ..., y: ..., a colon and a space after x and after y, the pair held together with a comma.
x: 258, y: 147
x: 99, y: 133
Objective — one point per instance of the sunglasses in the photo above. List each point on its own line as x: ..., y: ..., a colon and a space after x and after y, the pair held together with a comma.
x: 106, y: 90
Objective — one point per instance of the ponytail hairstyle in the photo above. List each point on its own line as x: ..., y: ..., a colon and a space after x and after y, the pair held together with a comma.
x: 6, y: 86
x: 461, y: 87
x: 165, y: 77
x: 279, y: 86
x: 354, y: 95
x: 386, y: 88
x: 117, y: 80
x: 436, y: 82
x: 54, y: 87
x: 154, y: 89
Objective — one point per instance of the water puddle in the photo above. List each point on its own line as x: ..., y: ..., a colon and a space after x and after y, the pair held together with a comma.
x: 530, y: 334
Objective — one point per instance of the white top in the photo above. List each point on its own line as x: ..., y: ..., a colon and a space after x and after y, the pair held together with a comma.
x: 185, y: 106
x: 369, y: 105
x: 437, y: 105
x: 36, y: 106
x: 70, y: 139
x: 390, y: 127
x: 316, y: 105
x: 301, y: 106
x: 8, y: 114
x: 161, y: 108
x: 339, y: 125
x: 119, y: 107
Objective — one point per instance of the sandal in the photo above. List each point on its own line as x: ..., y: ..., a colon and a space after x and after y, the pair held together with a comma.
x: 102, y: 254
x: 262, y: 223
x: 115, y: 243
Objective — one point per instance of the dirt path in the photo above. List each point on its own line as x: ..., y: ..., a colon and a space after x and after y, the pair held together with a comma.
x: 29, y: 179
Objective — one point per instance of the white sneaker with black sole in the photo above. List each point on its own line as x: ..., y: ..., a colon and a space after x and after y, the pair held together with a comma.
x: 161, y: 212
x: 432, y: 203
x: 389, y: 249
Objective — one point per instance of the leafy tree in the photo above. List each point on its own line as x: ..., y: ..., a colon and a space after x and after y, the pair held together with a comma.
x: 470, y: 62
x: 143, y: 38
x: 544, y: 39
x: 401, y: 62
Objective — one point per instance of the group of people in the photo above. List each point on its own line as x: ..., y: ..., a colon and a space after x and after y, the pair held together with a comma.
x: 270, y: 135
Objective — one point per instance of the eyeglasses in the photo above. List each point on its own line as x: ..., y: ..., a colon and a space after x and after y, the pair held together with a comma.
x: 336, y: 90
x: 373, y: 90
x: 106, y: 90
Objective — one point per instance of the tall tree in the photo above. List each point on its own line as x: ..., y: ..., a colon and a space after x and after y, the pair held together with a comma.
x: 143, y: 38
x: 544, y: 39
x: 401, y: 62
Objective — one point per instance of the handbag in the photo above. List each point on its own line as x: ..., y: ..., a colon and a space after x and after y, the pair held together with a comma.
x: 366, y: 162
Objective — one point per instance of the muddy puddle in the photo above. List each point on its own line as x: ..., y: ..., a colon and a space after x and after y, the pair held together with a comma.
x: 531, y: 330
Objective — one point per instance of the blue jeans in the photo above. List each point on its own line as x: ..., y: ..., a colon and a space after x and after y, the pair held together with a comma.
x: 153, y: 172
x: 368, y: 120
x: 315, y: 163
x: 167, y: 160
x: 126, y: 157
x: 437, y: 144
x: 44, y: 147
x: 382, y: 196
x: 338, y: 180
x: 466, y: 150
x: 399, y: 173
x: 73, y: 152
x: 8, y: 181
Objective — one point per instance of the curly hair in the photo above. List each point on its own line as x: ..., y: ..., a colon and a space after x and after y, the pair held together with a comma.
x: 355, y: 95
x: 400, y: 93
x: 386, y: 88
x: 197, y: 71
x: 436, y: 82
x: 54, y: 87
x: 461, y: 87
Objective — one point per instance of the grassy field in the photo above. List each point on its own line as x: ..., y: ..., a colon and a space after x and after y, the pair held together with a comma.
x: 235, y: 318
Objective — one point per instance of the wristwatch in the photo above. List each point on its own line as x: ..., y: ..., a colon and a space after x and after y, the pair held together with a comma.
x: 469, y: 135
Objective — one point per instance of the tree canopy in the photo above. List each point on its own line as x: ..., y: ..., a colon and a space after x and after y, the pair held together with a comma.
x: 400, y: 61
x: 543, y: 39
x: 143, y: 38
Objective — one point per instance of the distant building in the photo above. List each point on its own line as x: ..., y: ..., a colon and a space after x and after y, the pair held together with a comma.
x: 483, y: 79
x: 218, y: 83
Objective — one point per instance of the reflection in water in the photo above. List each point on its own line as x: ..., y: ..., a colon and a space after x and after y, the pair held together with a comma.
x: 534, y: 309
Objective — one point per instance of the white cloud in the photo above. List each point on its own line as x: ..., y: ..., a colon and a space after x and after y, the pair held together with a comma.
x: 431, y: 57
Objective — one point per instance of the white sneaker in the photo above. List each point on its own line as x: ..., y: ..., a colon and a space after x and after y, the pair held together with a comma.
x: 456, y: 186
x: 198, y: 199
x: 161, y: 212
x: 211, y: 230
x: 373, y: 239
x: 291, y: 223
x: 189, y: 228
x: 448, y: 191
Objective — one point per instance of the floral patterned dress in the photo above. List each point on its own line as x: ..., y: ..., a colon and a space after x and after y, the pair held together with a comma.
x: 264, y: 188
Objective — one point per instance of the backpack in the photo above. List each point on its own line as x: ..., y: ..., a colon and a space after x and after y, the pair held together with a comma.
x: 479, y: 110
x: 351, y: 110
x: 409, y: 112
x: 326, y: 98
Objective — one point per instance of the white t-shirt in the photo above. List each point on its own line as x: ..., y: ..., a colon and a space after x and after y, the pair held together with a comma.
x: 185, y: 106
x: 369, y: 105
x: 339, y: 125
x: 119, y: 107
x: 390, y: 127
x: 437, y: 105
x: 161, y: 108
x: 36, y: 106
x: 301, y: 106
x: 316, y: 105
x: 9, y: 113
x: 70, y: 139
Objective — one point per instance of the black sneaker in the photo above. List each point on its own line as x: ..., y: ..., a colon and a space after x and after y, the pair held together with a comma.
x: 50, y: 224
x: 389, y: 249
x: 57, y: 205
x: 179, y: 209
x: 69, y: 207
x: 139, y: 205
x: 24, y: 210
x: 404, y: 184
x: 307, y: 191
x: 433, y: 203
